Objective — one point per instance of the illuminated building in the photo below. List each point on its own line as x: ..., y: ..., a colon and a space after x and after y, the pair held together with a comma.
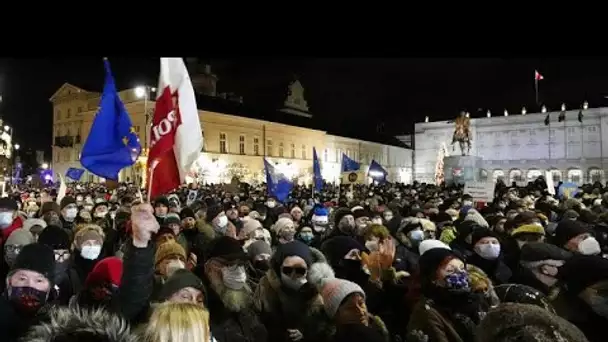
x: 236, y: 138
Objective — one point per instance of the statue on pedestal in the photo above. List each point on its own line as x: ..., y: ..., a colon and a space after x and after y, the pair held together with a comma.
x: 462, y: 134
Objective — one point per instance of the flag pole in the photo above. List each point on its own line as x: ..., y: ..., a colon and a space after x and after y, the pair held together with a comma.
x: 151, y: 178
x: 536, y: 89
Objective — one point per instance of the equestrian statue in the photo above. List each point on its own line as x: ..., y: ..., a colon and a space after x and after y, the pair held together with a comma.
x: 462, y: 134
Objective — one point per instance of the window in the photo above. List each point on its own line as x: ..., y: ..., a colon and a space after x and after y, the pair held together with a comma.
x: 242, y: 144
x: 223, y: 143
x: 281, y: 149
x: 293, y: 150
x: 256, y: 146
x: 303, y: 151
x: 325, y: 153
x: 269, y: 146
x: 79, y: 109
x: 69, y: 113
x: 338, y: 155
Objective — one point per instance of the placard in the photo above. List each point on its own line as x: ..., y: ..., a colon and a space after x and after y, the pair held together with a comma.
x: 480, y: 191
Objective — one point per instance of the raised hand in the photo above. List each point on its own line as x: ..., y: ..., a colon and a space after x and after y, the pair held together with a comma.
x: 144, y: 224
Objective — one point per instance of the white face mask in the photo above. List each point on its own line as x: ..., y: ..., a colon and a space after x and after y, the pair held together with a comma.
x: 372, y: 246
x: 101, y: 214
x: 589, y: 246
x: 70, y: 214
x: 377, y: 221
x: 222, y: 221
x: 234, y: 277
x: 173, y: 266
x: 90, y: 252
x: 291, y: 283
x: 388, y: 217
x: 489, y: 251
x: 467, y: 203
x: 6, y: 218
x: 271, y: 204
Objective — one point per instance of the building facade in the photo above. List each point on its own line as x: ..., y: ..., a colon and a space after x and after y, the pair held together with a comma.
x: 521, y: 147
x: 233, y: 145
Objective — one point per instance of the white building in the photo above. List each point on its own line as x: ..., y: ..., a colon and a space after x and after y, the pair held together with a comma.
x: 522, y: 147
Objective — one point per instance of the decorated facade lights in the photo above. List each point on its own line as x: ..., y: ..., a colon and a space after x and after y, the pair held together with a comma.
x: 467, y: 114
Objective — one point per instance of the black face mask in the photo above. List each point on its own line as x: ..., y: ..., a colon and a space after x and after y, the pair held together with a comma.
x: 261, y: 265
x: 27, y: 300
x: 61, y: 271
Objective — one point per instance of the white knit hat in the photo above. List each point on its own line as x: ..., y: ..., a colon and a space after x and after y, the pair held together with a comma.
x: 430, y: 244
x: 332, y: 289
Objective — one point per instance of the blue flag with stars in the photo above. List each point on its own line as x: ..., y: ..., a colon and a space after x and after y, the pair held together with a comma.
x: 112, y: 143
x: 349, y: 164
x: 278, y: 185
x: 74, y: 173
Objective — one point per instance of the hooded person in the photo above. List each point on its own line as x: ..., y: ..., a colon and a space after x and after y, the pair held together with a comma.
x: 68, y: 325
x: 487, y: 256
x: 320, y: 223
x: 448, y: 310
x: 230, y: 301
x: 86, y: 251
x: 344, y: 303
x: 101, y: 286
x: 69, y: 211
x: 258, y: 254
x: 29, y: 284
x: 289, y: 305
x: 284, y: 230
x: 34, y: 226
x: 161, y: 209
x: 252, y: 231
x: 65, y: 279
x: 576, y: 237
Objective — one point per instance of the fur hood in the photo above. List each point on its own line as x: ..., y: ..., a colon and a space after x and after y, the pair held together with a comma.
x: 81, y: 325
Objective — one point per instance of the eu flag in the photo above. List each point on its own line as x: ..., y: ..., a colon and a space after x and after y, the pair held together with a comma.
x: 349, y: 164
x: 74, y: 173
x: 377, y: 172
x: 278, y: 185
x: 316, y: 169
x: 112, y: 143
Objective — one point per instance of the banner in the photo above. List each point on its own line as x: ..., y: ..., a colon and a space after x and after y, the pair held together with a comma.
x: 567, y: 189
x: 353, y: 177
x: 480, y: 191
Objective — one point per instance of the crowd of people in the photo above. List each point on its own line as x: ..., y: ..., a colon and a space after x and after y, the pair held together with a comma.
x: 390, y: 263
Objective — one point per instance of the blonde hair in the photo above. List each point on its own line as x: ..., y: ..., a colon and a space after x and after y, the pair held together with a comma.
x: 178, y: 322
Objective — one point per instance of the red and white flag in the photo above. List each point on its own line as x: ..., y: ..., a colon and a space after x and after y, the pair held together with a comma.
x: 176, y: 138
x: 538, y: 76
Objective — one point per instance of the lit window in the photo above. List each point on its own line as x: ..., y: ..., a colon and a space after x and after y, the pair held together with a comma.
x: 269, y: 146
x: 242, y: 144
x: 256, y: 146
x: 293, y: 150
x: 281, y: 150
x: 303, y: 151
x: 223, y: 143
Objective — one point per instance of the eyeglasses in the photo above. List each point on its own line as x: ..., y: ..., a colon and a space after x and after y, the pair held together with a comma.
x: 299, y: 271
x: 62, y: 256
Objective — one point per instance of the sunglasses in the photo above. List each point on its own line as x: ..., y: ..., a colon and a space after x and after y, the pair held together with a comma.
x: 299, y: 271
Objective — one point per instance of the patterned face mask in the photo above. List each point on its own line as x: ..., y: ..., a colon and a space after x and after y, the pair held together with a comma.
x: 458, y: 281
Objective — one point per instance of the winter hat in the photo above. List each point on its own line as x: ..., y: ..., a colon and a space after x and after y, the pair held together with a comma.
x: 479, y: 234
x: 523, y: 294
x: 46, y: 207
x: 361, y: 212
x: 582, y: 271
x: 165, y: 230
x: 431, y: 260
x: 539, y: 251
x: 249, y: 226
x: 172, y: 218
x: 20, y: 237
x: 295, y: 209
x: 339, y: 214
x: 427, y: 245
x: 294, y: 248
x: 54, y: 237
x: 377, y: 230
x: 453, y: 213
x: 528, y: 229
x: 511, y: 322
x: 254, y: 215
x: 570, y: 215
x: 67, y: 200
x: 167, y: 250
x: 320, y: 215
x: 162, y: 200
x: 212, y: 212
x: 336, y: 248
x: 227, y: 248
x: 180, y: 279
x: 333, y: 290
x: 281, y: 224
x: 38, y: 258
x: 107, y: 270
x: 257, y: 248
x: 88, y: 232
x: 568, y: 229
x: 186, y: 213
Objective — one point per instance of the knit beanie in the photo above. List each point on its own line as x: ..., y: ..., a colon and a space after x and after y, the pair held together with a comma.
x: 167, y: 250
x: 186, y: 213
x: 212, y: 212
x: 582, y: 271
x: 528, y: 229
x: 339, y: 214
x: 378, y: 231
x: 31, y: 222
x: 539, y: 251
x: 296, y: 209
x: 249, y: 226
x: 49, y: 206
x: 360, y: 212
x: 65, y: 201
x: 427, y: 245
x: 479, y: 234
x: 294, y: 248
x: 162, y: 200
x: 38, y: 258
x: 431, y: 260
x: 86, y: 233
x: 20, y: 237
x: 227, y: 248
x: 180, y: 279
x: 257, y: 248
x: 320, y: 215
x: 172, y: 218
x: 281, y: 224
x: 566, y: 230
x: 336, y: 248
x: 333, y: 290
x: 54, y: 237
x: 107, y: 270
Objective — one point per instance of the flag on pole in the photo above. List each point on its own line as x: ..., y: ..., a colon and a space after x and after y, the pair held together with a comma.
x: 316, y: 170
x: 74, y: 173
x: 377, y: 172
x: 538, y: 76
x: 176, y: 138
x: 278, y: 185
x: 112, y: 143
x: 349, y: 164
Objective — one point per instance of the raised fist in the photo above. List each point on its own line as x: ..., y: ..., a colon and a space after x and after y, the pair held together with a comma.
x: 144, y: 224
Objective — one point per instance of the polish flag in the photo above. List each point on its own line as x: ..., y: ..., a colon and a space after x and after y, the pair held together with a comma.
x: 538, y: 76
x: 176, y: 138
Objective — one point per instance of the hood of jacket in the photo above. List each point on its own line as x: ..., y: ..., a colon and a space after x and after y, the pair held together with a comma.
x: 81, y: 325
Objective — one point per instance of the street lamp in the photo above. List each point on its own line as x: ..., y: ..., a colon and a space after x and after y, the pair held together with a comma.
x: 143, y: 91
x: 17, y: 147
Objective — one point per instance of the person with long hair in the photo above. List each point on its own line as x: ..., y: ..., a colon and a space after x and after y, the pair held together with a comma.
x: 178, y: 322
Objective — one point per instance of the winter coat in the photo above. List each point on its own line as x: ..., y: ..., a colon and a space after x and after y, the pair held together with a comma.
x: 79, y: 270
x: 137, y: 283
x: 81, y: 325
x: 375, y: 332
x: 426, y: 321
x: 496, y: 270
x: 13, y: 324
x: 281, y: 309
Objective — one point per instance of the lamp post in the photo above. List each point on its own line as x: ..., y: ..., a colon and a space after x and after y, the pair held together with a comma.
x: 144, y: 92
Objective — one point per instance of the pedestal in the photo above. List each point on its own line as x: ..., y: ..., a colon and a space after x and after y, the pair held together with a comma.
x: 460, y: 169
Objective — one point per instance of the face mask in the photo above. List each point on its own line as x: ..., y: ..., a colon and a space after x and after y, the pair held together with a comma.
x: 416, y: 235
x: 287, y: 234
x: 291, y: 283
x: 113, y: 215
x: 589, y: 246
x: 27, y: 299
x: 222, y: 221
x: 318, y: 228
x: 467, y: 203
x: 261, y: 265
x: 458, y: 281
x: 377, y: 221
x: 6, y: 218
x: 173, y: 266
x: 271, y: 204
x: 372, y: 246
x: 234, y: 277
x: 101, y: 214
x: 90, y: 252
x: 488, y: 251
x: 388, y: 217
x: 70, y: 214
x: 307, y: 237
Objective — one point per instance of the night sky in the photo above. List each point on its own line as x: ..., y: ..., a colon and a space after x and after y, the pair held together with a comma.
x: 391, y: 92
